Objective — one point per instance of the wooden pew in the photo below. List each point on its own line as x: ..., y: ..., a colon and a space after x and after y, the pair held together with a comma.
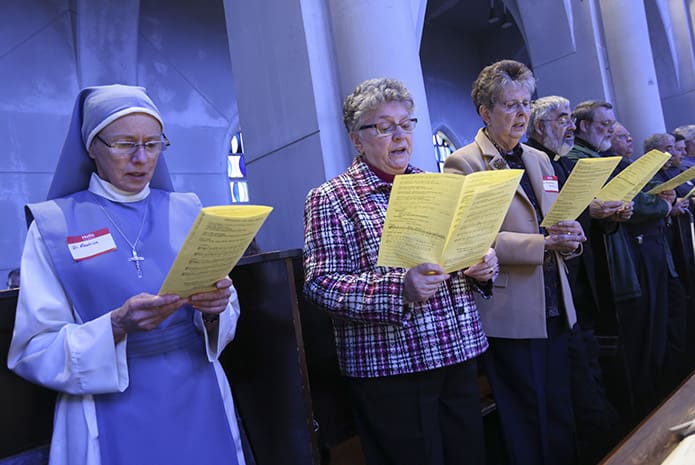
x: 265, y: 364
x: 282, y: 368
x: 651, y: 441
x: 26, y: 418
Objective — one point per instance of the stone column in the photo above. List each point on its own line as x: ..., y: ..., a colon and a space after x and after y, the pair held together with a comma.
x: 381, y: 38
x: 631, y: 65
x: 107, y: 41
x: 294, y: 61
x: 678, y: 99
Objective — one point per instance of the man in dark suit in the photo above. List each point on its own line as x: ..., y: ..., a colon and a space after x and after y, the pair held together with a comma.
x: 630, y: 258
x: 551, y: 130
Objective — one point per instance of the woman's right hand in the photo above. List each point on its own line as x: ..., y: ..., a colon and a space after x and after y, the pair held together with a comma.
x: 422, y: 281
x: 143, y: 312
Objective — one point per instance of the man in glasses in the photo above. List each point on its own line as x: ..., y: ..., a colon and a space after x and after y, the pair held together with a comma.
x: 630, y: 259
x: 677, y: 250
x: 621, y: 142
x: 688, y: 133
x: 551, y: 130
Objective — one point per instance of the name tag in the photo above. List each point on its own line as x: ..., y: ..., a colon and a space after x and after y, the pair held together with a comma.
x: 91, y: 244
x: 550, y: 184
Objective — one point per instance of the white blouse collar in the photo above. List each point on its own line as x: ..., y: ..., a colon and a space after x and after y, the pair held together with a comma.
x: 107, y: 190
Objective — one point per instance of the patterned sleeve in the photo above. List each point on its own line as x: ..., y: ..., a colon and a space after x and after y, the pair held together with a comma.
x: 340, y: 269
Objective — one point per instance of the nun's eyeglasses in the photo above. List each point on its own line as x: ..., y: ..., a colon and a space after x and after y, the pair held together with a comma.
x: 124, y: 148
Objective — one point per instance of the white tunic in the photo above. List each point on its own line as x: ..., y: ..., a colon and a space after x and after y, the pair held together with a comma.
x: 52, y: 347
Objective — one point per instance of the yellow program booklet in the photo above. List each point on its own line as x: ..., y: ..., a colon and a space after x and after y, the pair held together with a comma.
x: 582, y: 185
x: 215, y: 243
x: 675, y: 181
x: 632, y: 179
x: 447, y: 219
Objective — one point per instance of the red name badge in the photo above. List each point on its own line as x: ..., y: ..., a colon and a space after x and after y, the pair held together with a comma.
x: 550, y: 184
x: 91, y: 244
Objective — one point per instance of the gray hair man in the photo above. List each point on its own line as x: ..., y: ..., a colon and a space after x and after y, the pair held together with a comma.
x: 688, y: 133
x: 595, y: 123
x: 663, y: 142
x: 551, y: 125
x: 551, y: 130
x: 621, y: 142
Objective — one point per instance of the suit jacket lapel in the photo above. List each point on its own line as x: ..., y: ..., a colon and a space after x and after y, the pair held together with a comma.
x: 495, y: 161
x: 534, y: 173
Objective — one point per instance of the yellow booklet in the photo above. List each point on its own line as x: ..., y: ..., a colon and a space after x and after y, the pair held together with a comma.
x: 582, y: 185
x: 632, y: 179
x: 215, y: 243
x: 674, y: 182
x: 448, y: 219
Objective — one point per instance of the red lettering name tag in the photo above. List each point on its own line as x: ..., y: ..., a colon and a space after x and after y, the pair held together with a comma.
x: 91, y: 244
x: 550, y: 184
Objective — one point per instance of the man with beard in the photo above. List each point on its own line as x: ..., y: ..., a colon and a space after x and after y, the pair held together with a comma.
x: 629, y: 256
x: 551, y: 130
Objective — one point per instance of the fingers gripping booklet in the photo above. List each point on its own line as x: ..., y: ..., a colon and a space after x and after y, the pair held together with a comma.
x: 215, y: 243
x: 448, y: 219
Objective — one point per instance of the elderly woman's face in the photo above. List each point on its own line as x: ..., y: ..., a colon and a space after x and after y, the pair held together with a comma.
x: 506, y: 121
x: 132, y: 172
x: 387, y: 153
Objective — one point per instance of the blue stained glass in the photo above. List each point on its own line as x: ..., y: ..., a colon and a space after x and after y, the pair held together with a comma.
x: 242, y: 165
x: 233, y: 167
x: 239, y: 191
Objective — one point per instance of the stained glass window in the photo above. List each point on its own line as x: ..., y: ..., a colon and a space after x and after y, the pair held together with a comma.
x: 236, y: 170
x: 442, y: 148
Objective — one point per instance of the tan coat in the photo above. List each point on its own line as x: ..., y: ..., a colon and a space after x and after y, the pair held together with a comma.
x: 517, y: 308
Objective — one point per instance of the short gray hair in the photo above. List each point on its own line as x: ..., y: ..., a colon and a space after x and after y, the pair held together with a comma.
x: 493, y: 78
x: 687, y: 131
x: 655, y: 141
x: 541, y: 109
x: 371, y: 93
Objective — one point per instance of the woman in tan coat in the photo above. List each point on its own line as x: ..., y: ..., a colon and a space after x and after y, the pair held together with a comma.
x: 531, y: 312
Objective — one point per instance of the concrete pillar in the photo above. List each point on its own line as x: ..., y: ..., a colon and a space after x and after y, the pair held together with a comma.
x: 679, y: 100
x: 637, y: 98
x: 381, y: 38
x: 294, y: 61
x: 566, y: 48
x: 289, y: 107
x: 107, y: 41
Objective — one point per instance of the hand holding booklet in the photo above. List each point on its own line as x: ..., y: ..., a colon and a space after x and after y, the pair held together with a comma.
x: 582, y: 185
x: 448, y: 219
x: 215, y: 243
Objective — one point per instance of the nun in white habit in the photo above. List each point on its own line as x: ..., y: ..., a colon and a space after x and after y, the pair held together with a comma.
x: 136, y: 373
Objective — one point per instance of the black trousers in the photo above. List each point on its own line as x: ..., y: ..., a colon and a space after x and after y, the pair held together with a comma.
x: 643, y: 323
x: 427, y: 418
x: 598, y: 424
x: 530, y: 381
